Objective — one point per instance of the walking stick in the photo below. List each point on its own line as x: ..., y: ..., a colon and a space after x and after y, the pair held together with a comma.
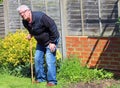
x: 31, y: 62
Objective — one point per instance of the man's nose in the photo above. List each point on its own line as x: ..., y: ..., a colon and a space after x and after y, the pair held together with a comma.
x: 22, y: 14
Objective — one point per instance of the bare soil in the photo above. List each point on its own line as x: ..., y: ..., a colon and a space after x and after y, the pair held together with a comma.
x: 96, y: 84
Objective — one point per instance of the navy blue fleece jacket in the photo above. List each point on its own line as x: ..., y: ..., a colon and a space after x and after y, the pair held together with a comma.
x: 43, y: 28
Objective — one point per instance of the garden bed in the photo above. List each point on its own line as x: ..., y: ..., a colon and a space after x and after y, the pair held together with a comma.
x: 106, y: 83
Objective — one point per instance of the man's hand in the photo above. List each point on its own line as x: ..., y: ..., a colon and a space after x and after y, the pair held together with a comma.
x: 29, y: 36
x: 52, y: 47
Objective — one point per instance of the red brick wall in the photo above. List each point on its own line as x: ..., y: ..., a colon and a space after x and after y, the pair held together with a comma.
x: 95, y: 52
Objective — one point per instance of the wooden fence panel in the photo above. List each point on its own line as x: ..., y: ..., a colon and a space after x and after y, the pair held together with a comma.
x: 91, y: 17
x: 94, y: 13
x: 13, y: 16
x: 74, y: 17
x: 109, y: 17
x: 2, y: 24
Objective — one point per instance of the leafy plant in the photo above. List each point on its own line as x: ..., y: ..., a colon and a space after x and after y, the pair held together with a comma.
x: 118, y: 21
x: 72, y: 71
x: 1, y: 1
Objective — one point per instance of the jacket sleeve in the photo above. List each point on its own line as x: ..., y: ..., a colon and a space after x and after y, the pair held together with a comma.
x: 51, y: 27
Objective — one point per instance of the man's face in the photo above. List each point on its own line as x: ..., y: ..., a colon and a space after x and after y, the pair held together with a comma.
x: 24, y: 14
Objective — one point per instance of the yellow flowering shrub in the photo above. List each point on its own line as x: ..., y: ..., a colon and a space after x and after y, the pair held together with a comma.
x: 15, y: 49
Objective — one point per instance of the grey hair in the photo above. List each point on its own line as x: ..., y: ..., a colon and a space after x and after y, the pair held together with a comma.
x: 23, y: 7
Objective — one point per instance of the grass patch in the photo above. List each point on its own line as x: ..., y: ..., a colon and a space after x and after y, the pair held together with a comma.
x: 7, y: 81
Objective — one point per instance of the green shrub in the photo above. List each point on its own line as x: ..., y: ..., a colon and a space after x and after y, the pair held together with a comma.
x: 72, y: 71
x: 1, y: 1
x: 118, y: 23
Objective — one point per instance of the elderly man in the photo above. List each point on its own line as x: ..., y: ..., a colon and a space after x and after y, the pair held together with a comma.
x: 44, y: 30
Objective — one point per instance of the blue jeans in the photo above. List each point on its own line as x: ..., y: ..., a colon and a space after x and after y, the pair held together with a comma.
x: 50, y: 75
